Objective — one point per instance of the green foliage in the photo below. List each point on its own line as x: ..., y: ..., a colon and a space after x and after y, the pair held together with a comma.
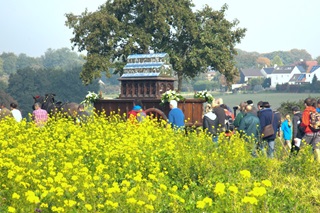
x: 62, y: 59
x: 202, y: 85
x: 266, y: 83
x: 277, y: 61
x: 9, y: 62
x: 24, y: 61
x: 255, y: 81
x: 1, y: 67
x: 194, y: 40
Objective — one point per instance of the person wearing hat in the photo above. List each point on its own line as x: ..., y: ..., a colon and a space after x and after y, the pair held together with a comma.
x: 176, y: 116
x: 266, y: 117
x: 254, y: 109
x: 297, y: 132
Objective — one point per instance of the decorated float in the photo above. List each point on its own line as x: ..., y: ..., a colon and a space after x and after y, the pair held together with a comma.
x: 150, y: 78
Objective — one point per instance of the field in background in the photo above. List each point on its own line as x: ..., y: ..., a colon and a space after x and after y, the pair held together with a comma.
x: 275, y: 99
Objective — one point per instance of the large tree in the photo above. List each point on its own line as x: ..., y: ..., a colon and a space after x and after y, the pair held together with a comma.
x: 194, y: 40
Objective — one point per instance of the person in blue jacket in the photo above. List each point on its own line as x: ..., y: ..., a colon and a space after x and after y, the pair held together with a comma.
x: 176, y: 116
x: 287, y: 131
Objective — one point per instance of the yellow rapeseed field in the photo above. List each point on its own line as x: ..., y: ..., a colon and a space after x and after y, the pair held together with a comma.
x: 111, y: 165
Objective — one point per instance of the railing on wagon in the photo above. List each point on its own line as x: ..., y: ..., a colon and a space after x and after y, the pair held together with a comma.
x: 192, y: 108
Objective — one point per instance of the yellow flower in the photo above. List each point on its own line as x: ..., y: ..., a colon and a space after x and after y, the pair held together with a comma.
x: 141, y: 203
x: 70, y: 203
x: 149, y: 207
x: 11, y: 209
x: 208, y: 201
x: 15, y: 196
x: 81, y: 196
x: 267, y: 183
x: 201, y: 204
x: 163, y: 187
x: 152, y: 177
x: 88, y: 207
x: 174, y: 188
x: 219, y: 189
x: 131, y: 200
x: 233, y: 189
x: 245, y: 173
x: 152, y: 197
x: 258, y: 191
x: 251, y: 200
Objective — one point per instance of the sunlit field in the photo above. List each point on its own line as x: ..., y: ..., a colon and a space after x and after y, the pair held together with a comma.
x: 110, y: 165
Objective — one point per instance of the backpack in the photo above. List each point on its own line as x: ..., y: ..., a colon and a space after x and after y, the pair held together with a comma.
x: 229, y: 121
x: 141, y: 116
x: 315, y: 121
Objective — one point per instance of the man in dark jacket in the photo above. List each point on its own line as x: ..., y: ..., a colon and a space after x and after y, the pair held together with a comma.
x: 266, y: 117
x: 297, y: 134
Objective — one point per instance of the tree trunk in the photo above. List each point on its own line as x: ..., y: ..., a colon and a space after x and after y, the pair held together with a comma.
x: 179, y: 81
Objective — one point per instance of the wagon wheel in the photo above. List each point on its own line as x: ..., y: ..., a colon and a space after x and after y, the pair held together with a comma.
x: 156, y: 113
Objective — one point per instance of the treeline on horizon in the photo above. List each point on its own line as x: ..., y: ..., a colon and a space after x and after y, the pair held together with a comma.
x: 57, y: 71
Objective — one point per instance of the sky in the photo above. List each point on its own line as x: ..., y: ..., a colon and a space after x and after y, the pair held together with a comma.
x: 33, y: 26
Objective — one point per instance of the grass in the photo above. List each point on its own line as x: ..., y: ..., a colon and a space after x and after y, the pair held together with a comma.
x: 275, y: 99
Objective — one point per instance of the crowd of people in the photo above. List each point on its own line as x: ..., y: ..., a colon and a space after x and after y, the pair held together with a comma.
x: 260, y: 125
x: 39, y: 115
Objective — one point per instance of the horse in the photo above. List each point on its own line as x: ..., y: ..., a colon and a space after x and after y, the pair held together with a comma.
x: 49, y: 104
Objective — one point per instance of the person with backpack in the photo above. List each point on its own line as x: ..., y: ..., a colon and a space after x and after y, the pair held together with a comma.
x: 268, y: 118
x: 297, y: 132
x: 137, y: 113
x: 210, y: 122
x: 312, y: 133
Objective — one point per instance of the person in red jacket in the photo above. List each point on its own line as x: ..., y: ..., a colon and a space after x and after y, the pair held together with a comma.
x: 311, y: 137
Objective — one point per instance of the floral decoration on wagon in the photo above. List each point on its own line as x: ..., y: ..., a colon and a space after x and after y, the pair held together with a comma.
x: 204, y: 95
x: 90, y: 98
x: 171, y: 95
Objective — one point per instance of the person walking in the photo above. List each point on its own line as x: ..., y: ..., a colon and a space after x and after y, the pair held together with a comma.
x: 311, y: 137
x: 176, y: 116
x: 15, y: 112
x: 39, y: 116
x: 250, y: 126
x: 287, y: 131
x: 297, y: 133
x: 240, y: 115
x: 266, y: 117
x: 210, y: 122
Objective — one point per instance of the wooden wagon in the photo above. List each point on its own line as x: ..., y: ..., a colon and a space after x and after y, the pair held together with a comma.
x: 192, y: 108
x: 146, y: 77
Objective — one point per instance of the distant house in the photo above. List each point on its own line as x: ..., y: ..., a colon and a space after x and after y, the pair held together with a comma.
x: 310, y: 65
x: 314, y: 71
x: 283, y: 74
x: 267, y: 71
x: 247, y: 74
x: 298, y: 79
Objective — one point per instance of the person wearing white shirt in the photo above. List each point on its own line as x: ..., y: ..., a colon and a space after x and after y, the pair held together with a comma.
x: 15, y: 112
